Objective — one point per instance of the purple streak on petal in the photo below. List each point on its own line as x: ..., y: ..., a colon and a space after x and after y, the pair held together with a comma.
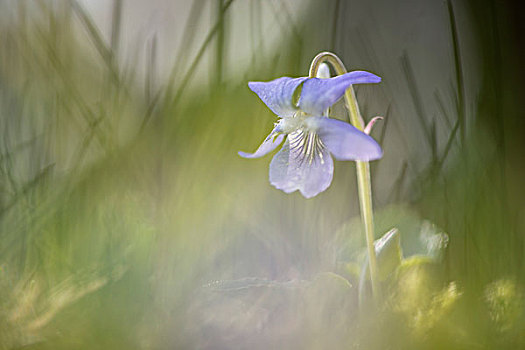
x: 268, y: 145
x: 319, y: 94
x: 344, y: 141
x: 277, y: 94
x: 291, y: 169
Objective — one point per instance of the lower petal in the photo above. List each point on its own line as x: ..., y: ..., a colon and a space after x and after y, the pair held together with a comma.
x: 292, y: 169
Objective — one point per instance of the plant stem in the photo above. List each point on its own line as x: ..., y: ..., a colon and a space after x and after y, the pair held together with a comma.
x: 362, y: 167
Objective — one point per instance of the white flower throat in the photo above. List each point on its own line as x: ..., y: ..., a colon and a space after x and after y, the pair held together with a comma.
x: 299, y: 121
x: 306, y: 146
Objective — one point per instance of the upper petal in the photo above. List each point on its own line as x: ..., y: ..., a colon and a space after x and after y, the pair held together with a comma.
x: 344, y: 141
x: 268, y: 145
x: 294, y: 169
x: 319, y: 94
x: 277, y: 94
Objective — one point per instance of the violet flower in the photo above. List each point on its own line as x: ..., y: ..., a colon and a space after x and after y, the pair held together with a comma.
x: 304, y: 163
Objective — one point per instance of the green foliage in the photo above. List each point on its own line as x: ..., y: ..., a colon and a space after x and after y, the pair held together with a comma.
x: 122, y: 203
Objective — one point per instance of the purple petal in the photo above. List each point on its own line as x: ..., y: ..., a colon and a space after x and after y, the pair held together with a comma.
x: 344, y: 141
x: 268, y: 145
x: 319, y: 94
x: 294, y: 169
x: 277, y: 94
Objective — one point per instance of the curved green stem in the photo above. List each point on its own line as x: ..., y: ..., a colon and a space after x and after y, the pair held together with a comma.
x: 363, y: 168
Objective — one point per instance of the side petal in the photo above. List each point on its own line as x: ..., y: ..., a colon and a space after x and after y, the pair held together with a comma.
x: 278, y: 94
x: 344, y: 141
x: 269, y: 144
x: 294, y: 169
x: 319, y: 94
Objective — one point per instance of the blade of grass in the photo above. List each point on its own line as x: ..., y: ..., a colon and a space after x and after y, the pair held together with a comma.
x: 416, y: 99
x: 433, y: 135
x: 460, y: 88
x: 335, y: 24
x: 192, y: 68
x: 151, y: 70
x: 385, y: 125
x: 397, y: 186
x: 85, y: 111
x: 448, y: 146
x: 188, y: 37
x: 115, y: 27
x: 442, y: 108
x: 288, y: 20
x: 219, y: 54
x: 108, y: 56
x: 26, y: 188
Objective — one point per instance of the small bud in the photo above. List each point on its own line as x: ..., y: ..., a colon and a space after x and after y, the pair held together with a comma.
x: 324, y: 71
x: 370, y: 124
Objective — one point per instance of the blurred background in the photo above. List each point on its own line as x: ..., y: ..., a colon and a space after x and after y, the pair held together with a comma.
x: 128, y: 221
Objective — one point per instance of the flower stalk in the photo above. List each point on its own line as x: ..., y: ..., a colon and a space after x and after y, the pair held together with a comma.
x: 362, y: 167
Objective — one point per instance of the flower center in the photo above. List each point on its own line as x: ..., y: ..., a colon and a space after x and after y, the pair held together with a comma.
x: 300, y: 120
x: 306, y: 146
